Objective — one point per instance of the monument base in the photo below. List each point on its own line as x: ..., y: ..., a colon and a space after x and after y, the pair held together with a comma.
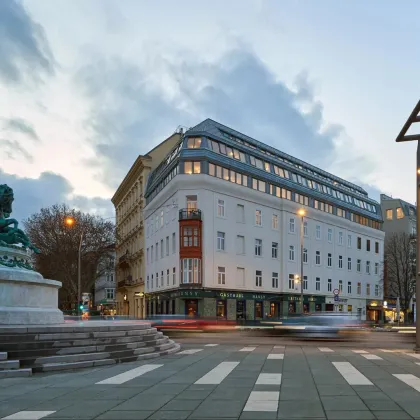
x: 26, y: 298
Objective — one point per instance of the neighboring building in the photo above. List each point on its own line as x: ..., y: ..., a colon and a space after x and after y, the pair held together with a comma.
x: 223, y: 233
x: 105, y: 285
x: 399, y: 217
x: 128, y: 202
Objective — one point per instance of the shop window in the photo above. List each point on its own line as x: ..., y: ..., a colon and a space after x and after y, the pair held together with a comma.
x: 191, y: 307
x: 258, y: 309
x: 349, y: 308
x: 221, y: 309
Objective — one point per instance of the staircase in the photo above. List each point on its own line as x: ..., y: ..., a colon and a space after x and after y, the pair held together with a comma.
x: 90, y: 344
x: 11, y: 368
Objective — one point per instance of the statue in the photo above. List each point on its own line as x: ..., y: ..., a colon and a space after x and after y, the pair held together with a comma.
x: 10, y: 234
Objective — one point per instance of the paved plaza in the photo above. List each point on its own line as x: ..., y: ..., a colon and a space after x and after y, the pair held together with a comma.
x: 227, y: 381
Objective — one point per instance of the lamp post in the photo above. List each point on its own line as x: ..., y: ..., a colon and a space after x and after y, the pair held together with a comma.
x: 402, y: 136
x: 301, y: 213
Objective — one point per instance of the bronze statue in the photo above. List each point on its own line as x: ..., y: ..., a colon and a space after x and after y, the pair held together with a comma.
x: 11, y: 235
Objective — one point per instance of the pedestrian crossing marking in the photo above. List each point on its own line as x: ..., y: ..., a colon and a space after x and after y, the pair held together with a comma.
x: 325, y: 350
x: 360, y: 351
x: 277, y: 356
x: 28, y: 415
x: 415, y: 355
x: 216, y: 375
x: 248, y: 349
x: 190, y: 351
x: 351, y: 374
x: 279, y: 347
x: 211, y: 345
x: 262, y: 401
x: 409, y: 379
x: 269, y: 379
x: 372, y: 357
x: 129, y: 375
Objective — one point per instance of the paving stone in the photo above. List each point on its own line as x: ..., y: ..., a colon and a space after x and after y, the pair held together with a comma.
x: 365, y: 396
x: 350, y: 415
x: 170, y: 415
x: 165, y: 389
x: 342, y: 403
x: 145, y: 402
x: 117, y: 394
x: 300, y: 409
x: 218, y: 408
x: 332, y: 390
x: 194, y: 395
x: 181, y: 405
x: 261, y: 415
x: 391, y: 415
x: 125, y: 415
x: 87, y: 409
x: 382, y: 405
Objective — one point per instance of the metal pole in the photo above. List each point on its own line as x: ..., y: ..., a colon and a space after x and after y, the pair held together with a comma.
x: 301, y: 264
x: 79, y: 275
x: 418, y: 252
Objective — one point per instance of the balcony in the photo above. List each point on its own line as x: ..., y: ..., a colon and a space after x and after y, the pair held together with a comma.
x: 129, y: 281
x: 189, y: 214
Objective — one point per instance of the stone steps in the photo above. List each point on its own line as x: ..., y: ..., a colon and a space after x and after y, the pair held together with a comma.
x: 11, y: 368
x: 3, y: 356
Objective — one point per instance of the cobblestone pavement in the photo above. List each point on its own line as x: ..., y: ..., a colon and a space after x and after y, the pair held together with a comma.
x: 229, y: 381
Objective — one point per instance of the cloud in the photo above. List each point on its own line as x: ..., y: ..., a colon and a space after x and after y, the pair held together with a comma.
x: 31, y: 194
x: 19, y: 125
x: 13, y: 149
x: 25, y: 54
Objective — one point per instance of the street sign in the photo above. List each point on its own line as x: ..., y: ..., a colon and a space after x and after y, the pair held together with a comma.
x: 336, y: 298
x: 336, y: 292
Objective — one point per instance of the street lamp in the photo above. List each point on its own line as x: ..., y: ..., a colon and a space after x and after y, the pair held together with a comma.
x: 402, y: 136
x: 70, y: 222
x: 301, y: 213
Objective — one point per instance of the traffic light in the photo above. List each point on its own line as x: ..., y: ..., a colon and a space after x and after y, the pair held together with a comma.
x: 81, y: 307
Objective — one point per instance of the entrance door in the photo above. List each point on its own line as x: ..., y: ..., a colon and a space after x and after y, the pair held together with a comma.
x: 221, y: 309
x: 191, y: 307
x: 167, y: 307
x: 274, y: 309
x: 240, y: 310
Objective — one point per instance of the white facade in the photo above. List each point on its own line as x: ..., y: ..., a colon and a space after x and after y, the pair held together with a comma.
x: 238, y: 222
x: 105, y: 286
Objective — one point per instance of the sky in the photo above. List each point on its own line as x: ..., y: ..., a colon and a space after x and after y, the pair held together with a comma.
x: 88, y: 85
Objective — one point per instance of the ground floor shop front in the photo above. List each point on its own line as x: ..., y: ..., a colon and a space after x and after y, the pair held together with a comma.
x: 130, y: 302
x: 230, y: 305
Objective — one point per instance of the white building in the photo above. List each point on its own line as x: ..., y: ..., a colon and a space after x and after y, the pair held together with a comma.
x: 223, y: 233
x: 105, y: 283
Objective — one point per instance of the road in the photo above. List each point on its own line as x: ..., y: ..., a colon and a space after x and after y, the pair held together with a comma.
x: 233, y: 376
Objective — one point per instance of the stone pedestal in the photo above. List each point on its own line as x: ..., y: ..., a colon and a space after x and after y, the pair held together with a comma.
x: 25, y: 296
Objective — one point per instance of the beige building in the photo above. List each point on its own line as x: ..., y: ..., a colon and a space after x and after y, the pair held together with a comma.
x: 129, y: 203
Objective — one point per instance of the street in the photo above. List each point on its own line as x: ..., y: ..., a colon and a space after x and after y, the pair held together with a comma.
x: 222, y: 376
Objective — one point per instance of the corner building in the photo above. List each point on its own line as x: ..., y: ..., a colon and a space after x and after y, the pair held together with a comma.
x: 223, y: 233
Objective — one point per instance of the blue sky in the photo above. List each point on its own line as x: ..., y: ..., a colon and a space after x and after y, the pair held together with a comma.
x: 86, y: 85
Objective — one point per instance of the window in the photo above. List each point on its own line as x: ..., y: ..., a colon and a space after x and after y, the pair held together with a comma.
x: 305, y: 282
x: 157, y: 251
x: 240, y: 244
x: 349, y: 264
x: 349, y: 287
x: 329, y: 285
x: 162, y: 218
x: 291, y: 281
x: 359, y: 242
x: 292, y: 225
x: 192, y: 202
x: 147, y: 283
x: 258, y: 309
x: 220, y: 241
x: 340, y: 286
x: 221, y: 275
x: 318, y: 232
x: 376, y: 247
x: 317, y: 284
x: 110, y: 293
x: 258, y: 247
x: 240, y: 276
x: 162, y: 250
x: 173, y: 243
x: 367, y: 267
x: 359, y: 265
x: 376, y: 268
x: 400, y: 213
x: 318, y: 257
x: 376, y: 290
x: 161, y: 279
x: 368, y: 245
x: 167, y: 245
x: 291, y: 253
x: 274, y: 250
x: 167, y: 277
x: 305, y: 228
x: 330, y: 235
x: 191, y: 270
x: 190, y: 236
x: 349, y: 241
x: 151, y: 253
x: 367, y: 289
x: 258, y: 278
x: 305, y: 255
x: 389, y: 214
x: 174, y: 275
x: 275, y: 221
x: 192, y: 167
x: 194, y: 143
x: 151, y: 285
x: 340, y: 238
x: 240, y: 213
x: 359, y: 288
x: 148, y: 255
x: 275, y: 280
x: 340, y: 261
x: 329, y: 260
x: 221, y: 208
x: 258, y: 217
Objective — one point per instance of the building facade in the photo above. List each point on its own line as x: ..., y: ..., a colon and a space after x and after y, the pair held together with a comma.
x: 105, y: 286
x: 129, y: 203
x: 223, y: 233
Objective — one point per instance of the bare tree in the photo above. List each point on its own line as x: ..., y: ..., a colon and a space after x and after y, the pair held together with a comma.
x: 59, y: 246
x: 400, y: 260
